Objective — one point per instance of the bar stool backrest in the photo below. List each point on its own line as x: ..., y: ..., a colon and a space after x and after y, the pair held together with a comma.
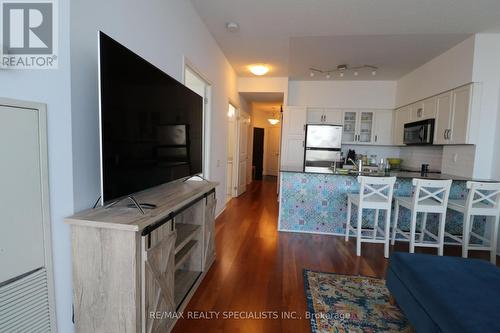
x: 483, y: 198
x: 431, y: 194
x: 378, y: 189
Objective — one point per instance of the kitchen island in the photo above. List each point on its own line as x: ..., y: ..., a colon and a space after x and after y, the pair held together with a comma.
x: 317, y: 202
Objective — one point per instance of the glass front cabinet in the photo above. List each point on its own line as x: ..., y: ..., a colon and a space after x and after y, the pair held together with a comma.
x: 358, y: 127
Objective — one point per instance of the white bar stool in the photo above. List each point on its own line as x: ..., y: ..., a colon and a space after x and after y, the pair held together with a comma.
x: 483, y: 200
x: 374, y: 193
x: 430, y: 196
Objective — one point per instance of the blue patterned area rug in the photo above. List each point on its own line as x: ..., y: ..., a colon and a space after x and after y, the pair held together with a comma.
x: 350, y: 304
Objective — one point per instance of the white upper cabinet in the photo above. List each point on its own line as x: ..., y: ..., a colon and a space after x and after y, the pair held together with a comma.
x: 443, y: 118
x: 293, y: 136
x: 368, y: 127
x: 423, y: 110
x: 324, y: 116
x: 365, y: 127
x: 294, y: 120
x: 459, y: 129
x: 349, y: 133
x: 382, y: 129
x: 453, y: 114
x: 402, y: 116
x: 358, y: 127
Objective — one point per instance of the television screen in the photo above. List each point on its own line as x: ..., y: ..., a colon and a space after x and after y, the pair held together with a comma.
x: 151, y: 124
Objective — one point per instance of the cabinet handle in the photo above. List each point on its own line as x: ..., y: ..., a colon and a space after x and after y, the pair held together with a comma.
x: 419, y: 112
x: 375, y: 138
x: 449, y: 134
x: 304, y: 128
x: 303, y: 144
x: 444, y: 134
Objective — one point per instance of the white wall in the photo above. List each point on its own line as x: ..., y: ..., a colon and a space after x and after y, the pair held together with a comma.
x: 264, y: 85
x: 449, y: 70
x: 53, y: 88
x: 487, y: 71
x: 163, y: 32
x: 343, y: 94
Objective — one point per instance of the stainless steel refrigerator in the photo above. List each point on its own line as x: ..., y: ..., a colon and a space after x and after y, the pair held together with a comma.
x: 322, y: 148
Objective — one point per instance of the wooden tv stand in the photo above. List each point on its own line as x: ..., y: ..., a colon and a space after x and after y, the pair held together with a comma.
x: 133, y: 272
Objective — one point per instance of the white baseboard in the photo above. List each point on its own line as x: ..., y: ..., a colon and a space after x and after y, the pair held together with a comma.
x: 220, y: 212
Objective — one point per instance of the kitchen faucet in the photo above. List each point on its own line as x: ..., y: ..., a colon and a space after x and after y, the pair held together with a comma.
x: 357, y: 167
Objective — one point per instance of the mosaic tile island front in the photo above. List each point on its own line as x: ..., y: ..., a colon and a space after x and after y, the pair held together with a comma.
x: 317, y: 203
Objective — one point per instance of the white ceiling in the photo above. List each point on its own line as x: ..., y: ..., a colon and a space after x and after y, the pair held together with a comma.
x: 292, y: 35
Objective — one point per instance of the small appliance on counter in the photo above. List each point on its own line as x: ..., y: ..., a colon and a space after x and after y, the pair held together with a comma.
x: 394, y: 163
x: 322, y: 148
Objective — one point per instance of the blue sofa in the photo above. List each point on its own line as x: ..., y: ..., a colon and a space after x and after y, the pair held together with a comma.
x: 446, y: 294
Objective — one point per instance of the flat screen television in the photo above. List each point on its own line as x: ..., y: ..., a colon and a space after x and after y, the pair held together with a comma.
x: 151, y: 125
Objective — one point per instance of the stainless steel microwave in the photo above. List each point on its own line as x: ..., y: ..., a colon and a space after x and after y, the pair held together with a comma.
x: 419, y: 133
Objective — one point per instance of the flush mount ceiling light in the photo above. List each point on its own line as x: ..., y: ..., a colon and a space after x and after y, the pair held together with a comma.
x: 259, y: 69
x: 232, y: 26
x: 344, y: 69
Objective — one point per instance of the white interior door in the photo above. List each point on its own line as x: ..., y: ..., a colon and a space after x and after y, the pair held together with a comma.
x: 21, y: 238
x: 241, y: 177
x: 273, y: 151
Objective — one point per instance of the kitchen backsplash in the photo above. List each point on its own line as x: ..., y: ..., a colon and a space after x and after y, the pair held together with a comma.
x: 454, y: 160
x: 458, y: 160
x: 414, y: 156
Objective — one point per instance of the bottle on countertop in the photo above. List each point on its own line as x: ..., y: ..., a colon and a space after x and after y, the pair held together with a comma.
x: 381, y: 165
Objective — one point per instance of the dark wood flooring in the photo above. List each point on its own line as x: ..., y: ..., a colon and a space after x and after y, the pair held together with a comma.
x: 260, y: 269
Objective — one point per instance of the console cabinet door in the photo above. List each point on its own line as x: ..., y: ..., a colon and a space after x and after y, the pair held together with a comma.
x: 158, y: 267
x: 209, y: 241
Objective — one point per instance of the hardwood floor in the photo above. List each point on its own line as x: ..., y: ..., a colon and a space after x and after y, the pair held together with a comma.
x: 259, y: 269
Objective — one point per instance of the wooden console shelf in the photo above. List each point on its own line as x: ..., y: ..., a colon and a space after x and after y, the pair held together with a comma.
x: 127, y: 266
x: 184, y: 253
x: 185, y: 232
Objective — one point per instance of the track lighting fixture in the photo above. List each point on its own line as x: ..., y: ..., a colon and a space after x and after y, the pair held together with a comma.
x: 343, y: 70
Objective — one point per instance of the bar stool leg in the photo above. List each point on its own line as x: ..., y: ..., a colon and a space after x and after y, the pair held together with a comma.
x: 358, y: 231
x: 493, y: 253
x: 348, y: 224
x: 375, y: 224
x: 423, y: 227
x: 395, y: 222
x: 413, y: 226
x: 387, y: 232
x: 466, y: 235
x: 442, y: 219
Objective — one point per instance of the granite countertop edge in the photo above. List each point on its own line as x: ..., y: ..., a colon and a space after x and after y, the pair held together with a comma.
x: 397, y: 174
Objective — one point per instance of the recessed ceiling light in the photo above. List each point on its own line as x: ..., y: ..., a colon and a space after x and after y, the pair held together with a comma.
x: 356, y: 73
x: 232, y: 26
x: 259, y: 69
x: 341, y: 74
x: 312, y: 74
x: 328, y: 76
x: 374, y: 73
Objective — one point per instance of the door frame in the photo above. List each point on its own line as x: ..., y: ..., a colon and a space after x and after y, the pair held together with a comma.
x: 241, y: 116
x: 41, y: 110
x: 187, y: 64
x: 267, y: 152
